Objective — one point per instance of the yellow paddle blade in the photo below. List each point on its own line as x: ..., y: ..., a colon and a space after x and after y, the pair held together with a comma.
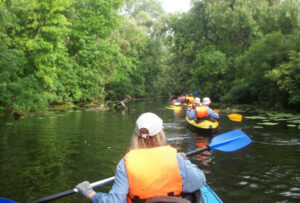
x: 217, y: 110
x: 235, y: 117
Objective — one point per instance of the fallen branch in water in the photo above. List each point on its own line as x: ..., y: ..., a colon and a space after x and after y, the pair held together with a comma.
x: 123, y: 102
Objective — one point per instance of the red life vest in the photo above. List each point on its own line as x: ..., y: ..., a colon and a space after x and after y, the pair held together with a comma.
x: 152, y: 172
x: 202, y: 112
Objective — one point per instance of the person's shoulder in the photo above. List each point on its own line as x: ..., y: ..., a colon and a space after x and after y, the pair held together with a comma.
x: 180, y: 159
x: 121, y: 163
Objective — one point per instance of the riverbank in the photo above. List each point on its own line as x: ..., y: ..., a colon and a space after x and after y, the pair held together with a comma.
x: 93, y: 105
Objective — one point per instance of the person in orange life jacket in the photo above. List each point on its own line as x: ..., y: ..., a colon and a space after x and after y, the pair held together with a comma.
x: 204, y: 111
x: 191, y: 113
x: 150, y: 169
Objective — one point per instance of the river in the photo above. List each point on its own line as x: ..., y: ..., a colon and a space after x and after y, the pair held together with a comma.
x: 49, y: 153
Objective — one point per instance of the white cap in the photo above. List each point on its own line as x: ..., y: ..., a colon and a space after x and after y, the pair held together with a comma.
x: 197, y: 100
x: 206, y: 100
x: 151, y: 122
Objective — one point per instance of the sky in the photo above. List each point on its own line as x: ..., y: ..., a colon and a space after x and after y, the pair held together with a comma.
x: 175, y: 5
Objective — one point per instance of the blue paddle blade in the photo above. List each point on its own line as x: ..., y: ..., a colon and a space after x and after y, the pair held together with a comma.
x: 4, y: 200
x: 230, y: 141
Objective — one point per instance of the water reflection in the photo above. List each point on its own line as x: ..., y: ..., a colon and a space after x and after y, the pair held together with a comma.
x: 178, y: 114
x: 200, y: 142
x: 48, y: 154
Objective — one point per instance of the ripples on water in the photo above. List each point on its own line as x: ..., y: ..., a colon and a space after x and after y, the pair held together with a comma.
x: 266, y: 171
x: 44, y: 155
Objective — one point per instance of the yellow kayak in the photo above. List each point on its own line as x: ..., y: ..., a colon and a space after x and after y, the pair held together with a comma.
x: 172, y: 107
x: 204, y: 125
x: 185, y: 104
x: 178, y: 107
x: 177, y: 104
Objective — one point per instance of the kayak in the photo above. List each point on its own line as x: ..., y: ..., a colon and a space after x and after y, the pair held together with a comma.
x: 4, y: 200
x: 176, y: 104
x: 206, y: 125
x: 185, y: 104
x: 204, y: 195
x: 172, y: 107
x: 209, y: 196
x: 179, y: 107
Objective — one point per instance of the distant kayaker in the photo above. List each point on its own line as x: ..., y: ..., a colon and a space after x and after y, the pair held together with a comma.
x: 150, y: 169
x: 191, y: 99
x: 192, y: 112
x: 203, y: 112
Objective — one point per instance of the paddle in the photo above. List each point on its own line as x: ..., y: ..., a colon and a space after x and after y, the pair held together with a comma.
x: 234, y: 116
x: 73, y: 191
x: 217, y: 110
x: 226, y: 142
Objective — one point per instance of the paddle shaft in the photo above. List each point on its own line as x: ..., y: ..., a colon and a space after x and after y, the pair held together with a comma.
x: 197, y: 151
x: 55, y: 196
x: 73, y: 191
x: 102, y: 182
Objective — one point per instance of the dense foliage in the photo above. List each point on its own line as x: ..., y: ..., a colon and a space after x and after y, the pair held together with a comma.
x: 58, y: 51
x: 244, y: 51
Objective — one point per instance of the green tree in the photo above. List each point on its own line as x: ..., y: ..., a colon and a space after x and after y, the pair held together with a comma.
x: 245, y: 48
x: 36, y: 31
x: 287, y: 77
x: 209, y: 73
x: 257, y: 68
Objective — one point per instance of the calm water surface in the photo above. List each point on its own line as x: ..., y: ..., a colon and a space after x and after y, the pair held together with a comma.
x: 46, y: 154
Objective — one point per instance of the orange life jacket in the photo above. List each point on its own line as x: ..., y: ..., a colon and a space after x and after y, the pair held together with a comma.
x: 152, y: 172
x: 202, y: 112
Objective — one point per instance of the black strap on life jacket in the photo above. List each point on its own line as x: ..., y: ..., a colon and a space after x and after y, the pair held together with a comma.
x: 195, y: 197
x: 136, y: 199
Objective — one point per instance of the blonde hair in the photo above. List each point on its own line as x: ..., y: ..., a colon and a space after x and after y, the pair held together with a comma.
x: 138, y: 141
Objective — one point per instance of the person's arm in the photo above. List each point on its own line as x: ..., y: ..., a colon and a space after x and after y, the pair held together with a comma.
x: 117, y: 194
x: 213, y: 114
x: 120, y: 189
x: 192, y: 177
x: 191, y: 114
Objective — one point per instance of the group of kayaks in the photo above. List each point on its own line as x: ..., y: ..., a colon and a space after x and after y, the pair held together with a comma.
x: 205, y: 125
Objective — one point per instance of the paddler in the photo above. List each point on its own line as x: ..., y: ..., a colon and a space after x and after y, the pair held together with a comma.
x: 191, y: 113
x: 151, y: 169
x: 204, y: 112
